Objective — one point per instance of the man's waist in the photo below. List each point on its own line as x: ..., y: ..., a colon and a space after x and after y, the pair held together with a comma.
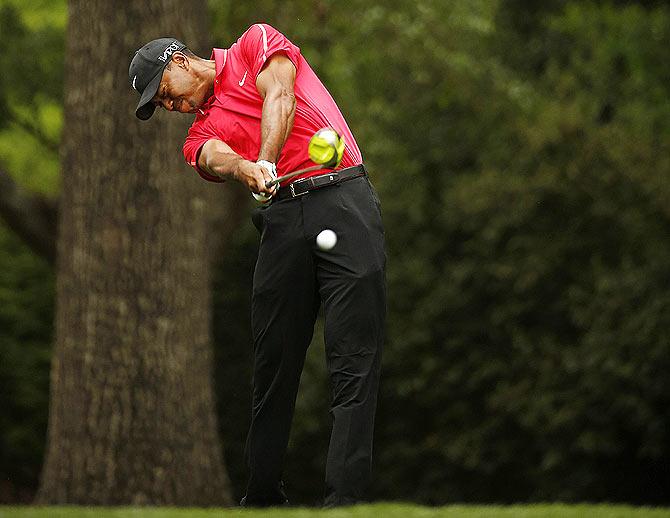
x: 318, y: 181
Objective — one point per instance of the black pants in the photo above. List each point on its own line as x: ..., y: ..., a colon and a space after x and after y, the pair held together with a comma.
x: 291, y: 279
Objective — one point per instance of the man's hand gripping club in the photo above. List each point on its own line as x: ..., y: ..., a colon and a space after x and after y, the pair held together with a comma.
x: 218, y: 159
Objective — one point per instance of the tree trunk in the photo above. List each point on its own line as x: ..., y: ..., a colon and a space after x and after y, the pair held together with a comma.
x: 132, y: 417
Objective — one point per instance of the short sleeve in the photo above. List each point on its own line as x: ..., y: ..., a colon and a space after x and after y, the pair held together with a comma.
x: 260, y: 42
x: 195, y: 139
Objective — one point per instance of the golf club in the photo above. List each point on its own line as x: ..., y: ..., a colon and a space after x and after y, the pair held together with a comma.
x: 288, y: 176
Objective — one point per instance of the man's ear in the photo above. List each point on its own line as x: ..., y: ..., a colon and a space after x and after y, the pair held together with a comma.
x: 181, y: 60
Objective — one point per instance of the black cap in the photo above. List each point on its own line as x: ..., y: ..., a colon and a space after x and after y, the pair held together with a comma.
x: 146, y: 71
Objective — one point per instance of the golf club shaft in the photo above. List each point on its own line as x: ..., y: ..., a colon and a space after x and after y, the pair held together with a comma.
x: 288, y: 176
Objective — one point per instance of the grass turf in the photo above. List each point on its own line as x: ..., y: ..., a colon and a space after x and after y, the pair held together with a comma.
x: 385, y: 510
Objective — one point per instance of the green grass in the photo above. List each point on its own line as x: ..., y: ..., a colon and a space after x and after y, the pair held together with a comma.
x: 387, y: 510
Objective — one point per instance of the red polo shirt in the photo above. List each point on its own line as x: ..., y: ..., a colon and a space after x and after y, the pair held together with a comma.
x: 233, y: 113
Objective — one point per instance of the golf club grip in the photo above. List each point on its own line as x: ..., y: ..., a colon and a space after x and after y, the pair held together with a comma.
x: 288, y: 176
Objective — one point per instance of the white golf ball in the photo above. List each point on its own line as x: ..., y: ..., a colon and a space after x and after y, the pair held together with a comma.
x: 326, y: 239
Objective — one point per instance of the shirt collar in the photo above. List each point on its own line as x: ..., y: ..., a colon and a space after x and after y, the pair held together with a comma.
x: 219, y: 56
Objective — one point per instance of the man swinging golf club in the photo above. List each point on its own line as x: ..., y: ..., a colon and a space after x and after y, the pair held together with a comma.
x: 257, y: 104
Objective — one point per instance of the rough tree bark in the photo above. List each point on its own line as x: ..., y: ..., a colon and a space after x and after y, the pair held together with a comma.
x: 131, y: 417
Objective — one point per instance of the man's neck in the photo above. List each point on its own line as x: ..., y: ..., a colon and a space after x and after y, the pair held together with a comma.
x: 209, y: 75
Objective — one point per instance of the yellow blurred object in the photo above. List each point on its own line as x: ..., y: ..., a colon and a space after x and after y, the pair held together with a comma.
x: 326, y: 147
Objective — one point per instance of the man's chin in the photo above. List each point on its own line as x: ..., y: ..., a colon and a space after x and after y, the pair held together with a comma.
x: 193, y: 108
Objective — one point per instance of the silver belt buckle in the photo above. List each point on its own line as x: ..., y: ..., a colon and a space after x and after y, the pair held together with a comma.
x: 292, y: 187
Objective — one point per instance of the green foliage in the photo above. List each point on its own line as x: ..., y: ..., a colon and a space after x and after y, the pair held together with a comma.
x: 31, y: 57
x: 26, y: 322
x: 31, y: 91
x: 537, y: 337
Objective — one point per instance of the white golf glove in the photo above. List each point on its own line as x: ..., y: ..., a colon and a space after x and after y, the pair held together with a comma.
x: 272, y: 169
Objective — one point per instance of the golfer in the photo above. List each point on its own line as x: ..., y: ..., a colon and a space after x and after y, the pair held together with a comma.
x: 256, y: 105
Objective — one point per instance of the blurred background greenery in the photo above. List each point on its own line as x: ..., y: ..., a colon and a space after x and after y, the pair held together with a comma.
x: 521, y: 154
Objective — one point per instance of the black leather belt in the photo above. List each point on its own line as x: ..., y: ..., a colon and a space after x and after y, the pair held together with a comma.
x: 305, y: 185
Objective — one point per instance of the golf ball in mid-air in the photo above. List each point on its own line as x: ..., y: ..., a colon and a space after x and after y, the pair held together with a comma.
x: 326, y: 239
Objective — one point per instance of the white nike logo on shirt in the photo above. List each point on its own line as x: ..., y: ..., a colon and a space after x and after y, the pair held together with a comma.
x: 241, y: 83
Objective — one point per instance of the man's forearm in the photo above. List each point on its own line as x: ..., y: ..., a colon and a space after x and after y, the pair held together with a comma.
x: 276, y: 123
x: 218, y: 159
x: 221, y: 164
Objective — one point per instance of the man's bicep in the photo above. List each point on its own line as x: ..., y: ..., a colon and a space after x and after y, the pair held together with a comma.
x: 279, y: 72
